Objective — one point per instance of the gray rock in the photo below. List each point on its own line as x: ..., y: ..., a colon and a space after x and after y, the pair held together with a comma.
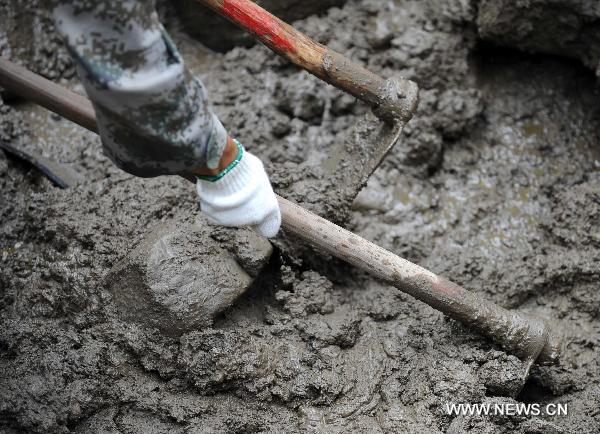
x: 3, y: 163
x: 179, y: 277
x: 564, y: 27
x: 220, y: 35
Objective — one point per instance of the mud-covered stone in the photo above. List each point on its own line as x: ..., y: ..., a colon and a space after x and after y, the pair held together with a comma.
x: 179, y: 278
x: 220, y: 35
x: 565, y: 27
x: 250, y: 251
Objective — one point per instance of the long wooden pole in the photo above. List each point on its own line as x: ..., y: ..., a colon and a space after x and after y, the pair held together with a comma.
x: 393, y: 100
x: 529, y: 338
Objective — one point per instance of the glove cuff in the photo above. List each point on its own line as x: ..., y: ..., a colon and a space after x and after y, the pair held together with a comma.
x: 229, y: 168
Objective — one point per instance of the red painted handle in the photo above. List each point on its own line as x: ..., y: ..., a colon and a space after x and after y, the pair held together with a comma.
x: 258, y: 21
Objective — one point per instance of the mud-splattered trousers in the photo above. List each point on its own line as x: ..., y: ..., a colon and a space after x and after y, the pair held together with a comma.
x: 153, y: 115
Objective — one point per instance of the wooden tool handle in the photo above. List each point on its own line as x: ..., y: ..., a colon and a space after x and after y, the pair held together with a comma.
x: 392, y: 100
x: 526, y: 337
x: 44, y: 92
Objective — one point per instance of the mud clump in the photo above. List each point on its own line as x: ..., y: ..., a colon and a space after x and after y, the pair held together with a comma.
x: 566, y: 28
x: 494, y: 185
x: 179, y: 278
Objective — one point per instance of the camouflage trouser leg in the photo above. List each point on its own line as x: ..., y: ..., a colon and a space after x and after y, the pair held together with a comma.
x: 153, y: 116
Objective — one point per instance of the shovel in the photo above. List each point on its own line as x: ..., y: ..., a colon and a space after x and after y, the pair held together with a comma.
x: 393, y: 101
x: 530, y: 338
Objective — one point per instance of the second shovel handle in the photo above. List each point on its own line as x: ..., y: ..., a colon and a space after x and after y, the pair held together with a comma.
x: 392, y: 100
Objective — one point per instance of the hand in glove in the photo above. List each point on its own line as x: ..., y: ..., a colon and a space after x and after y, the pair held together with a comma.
x: 241, y: 195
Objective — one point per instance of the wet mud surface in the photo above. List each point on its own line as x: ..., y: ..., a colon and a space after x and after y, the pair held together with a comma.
x: 494, y: 185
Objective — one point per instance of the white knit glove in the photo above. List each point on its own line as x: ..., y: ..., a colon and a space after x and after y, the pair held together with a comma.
x: 241, y: 196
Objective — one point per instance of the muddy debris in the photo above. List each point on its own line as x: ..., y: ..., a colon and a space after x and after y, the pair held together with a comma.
x: 493, y: 185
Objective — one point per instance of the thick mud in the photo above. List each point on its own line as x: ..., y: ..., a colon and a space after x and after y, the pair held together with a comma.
x: 495, y: 185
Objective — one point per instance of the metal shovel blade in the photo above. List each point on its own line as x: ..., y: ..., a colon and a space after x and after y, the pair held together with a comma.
x: 59, y: 174
x: 330, y: 188
x: 365, y: 148
x: 330, y: 185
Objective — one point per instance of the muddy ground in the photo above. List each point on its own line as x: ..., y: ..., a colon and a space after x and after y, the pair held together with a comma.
x: 494, y: 185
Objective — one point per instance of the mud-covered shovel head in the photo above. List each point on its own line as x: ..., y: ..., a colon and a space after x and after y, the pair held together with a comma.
x: 329, y: 187
x: 59, y: 174
x: 374, y: 136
